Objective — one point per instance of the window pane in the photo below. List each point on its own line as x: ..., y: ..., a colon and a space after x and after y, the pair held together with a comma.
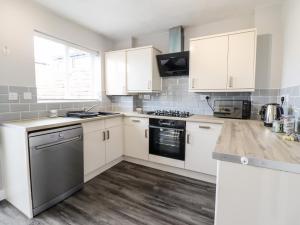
x: 64, y: 72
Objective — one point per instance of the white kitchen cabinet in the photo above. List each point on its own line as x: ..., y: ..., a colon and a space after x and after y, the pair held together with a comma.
x: 94, y: 151
x: 114, y: 139
x: 250, y: 195
x: 208, y: 63
x: 200, y: 144
x: 94, y: 146
x: 136, y: 137
x: 223, y: 62
x: 103, y: 143
x: 142, y: 70
x: 115, y: 73
x: 241, y: 61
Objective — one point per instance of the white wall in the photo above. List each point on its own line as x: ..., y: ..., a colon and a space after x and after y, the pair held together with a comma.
x: 291, y: 43
x: 268, y: 21
x: 161, y: 39
x: 18, y: 19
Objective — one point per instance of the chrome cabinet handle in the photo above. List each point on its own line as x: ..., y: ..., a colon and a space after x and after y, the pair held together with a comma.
x: 136, y: 121
x: 193, y: 82
x: 107, y: 134
x: 40, y: 147
x: 204, y: 127
x: 149, y: 84
x: 231, y: 81
x: 146, y: 133
x: 188, y: 139
x: 103, y: 136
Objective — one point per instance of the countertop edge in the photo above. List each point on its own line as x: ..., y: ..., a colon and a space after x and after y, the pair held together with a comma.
x: 262, y: 163
x: 58, y: 124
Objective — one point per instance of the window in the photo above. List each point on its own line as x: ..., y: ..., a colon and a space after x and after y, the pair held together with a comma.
x: 65, y: 72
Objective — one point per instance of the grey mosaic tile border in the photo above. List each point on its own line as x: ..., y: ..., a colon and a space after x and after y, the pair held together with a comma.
x: 23, y: 109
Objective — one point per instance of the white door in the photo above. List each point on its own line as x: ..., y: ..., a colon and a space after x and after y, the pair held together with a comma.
x: 139, y: 70
x: 241, y: 61
x: 208, y: 63
x: 94, y: 151
x: 114, y: 143
x: 115, y: 73
x: 136, y: 138
x: 201, y: 142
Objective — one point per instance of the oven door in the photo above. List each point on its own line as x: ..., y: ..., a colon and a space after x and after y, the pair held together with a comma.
x: 167, y: 142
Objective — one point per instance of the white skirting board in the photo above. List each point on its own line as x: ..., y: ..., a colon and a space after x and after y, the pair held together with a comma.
x: 170, y: 169
x: 2, y: 195
x: 89, y: 176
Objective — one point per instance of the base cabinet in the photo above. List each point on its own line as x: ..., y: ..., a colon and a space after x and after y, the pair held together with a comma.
x: 251, y: 195
x: 201, y: 141
x: 103, y: 143
x: 94, y: 151
x: 136, y: 137
x: 114, y: 143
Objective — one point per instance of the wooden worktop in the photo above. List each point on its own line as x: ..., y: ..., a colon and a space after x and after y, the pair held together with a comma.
x: 250, y: 142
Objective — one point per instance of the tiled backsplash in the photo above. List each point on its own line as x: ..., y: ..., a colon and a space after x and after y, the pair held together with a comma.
x: 175, y: 96
x: 29, y: 109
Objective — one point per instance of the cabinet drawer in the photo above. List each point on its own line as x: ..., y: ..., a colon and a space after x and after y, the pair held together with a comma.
x: 203, y: 127
x: 136, y: 121
x: 93, y: 126
x: 113, y: 122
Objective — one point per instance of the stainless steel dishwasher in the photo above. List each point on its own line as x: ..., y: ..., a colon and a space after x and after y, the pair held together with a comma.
x: 56, y: 165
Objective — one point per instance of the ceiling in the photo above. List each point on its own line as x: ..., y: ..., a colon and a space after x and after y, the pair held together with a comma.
x: 119, y: 19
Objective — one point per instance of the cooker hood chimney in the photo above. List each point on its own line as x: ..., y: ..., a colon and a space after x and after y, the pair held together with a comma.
x: 176, y: 62
x: 176, y: 39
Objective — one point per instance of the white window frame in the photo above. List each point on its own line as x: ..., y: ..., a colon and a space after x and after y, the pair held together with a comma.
x: 97, y: 79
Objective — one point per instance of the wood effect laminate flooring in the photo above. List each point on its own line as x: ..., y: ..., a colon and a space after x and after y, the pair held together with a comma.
x: 128, y: 194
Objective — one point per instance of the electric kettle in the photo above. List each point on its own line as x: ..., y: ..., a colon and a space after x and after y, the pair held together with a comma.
x: 271, y: 112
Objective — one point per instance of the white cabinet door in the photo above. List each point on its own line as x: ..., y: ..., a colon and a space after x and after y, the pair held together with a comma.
x: 208, y: 64
x: 201, y: 142
x: 115, y: 73
x: 241, y: 61
x: 136, y: 137
x: 94, y: 151
x: 114, y: 143
x: 139, y: 70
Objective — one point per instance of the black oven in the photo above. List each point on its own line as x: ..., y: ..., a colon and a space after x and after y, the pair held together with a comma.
x: 167, y: 138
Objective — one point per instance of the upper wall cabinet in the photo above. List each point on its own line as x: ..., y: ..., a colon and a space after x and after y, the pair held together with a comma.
x: 223, y: 63
x: 115, y: 73
x: 132, y: 71
x: 142, y: 71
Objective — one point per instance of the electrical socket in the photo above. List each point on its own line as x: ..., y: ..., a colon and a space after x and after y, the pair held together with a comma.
x: 203, y: 97
x: 27, y: 95
x: 13, y: 96
x: 286, y: 98
x: 147, y: 97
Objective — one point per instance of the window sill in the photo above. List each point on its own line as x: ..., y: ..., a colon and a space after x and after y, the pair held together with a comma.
x: 69, y: 101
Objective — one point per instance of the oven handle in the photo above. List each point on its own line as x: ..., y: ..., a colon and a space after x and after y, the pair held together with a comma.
x: 167, y: 128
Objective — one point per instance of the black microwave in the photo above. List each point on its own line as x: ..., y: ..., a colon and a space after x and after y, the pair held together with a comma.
x: 234, y: 109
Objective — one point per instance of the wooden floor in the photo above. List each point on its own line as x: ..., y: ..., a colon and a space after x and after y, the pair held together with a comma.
x: 128, y: 194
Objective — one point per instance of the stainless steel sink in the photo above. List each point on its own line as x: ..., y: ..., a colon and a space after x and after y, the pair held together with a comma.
x: 107, y: 113
x: 84, y: 114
